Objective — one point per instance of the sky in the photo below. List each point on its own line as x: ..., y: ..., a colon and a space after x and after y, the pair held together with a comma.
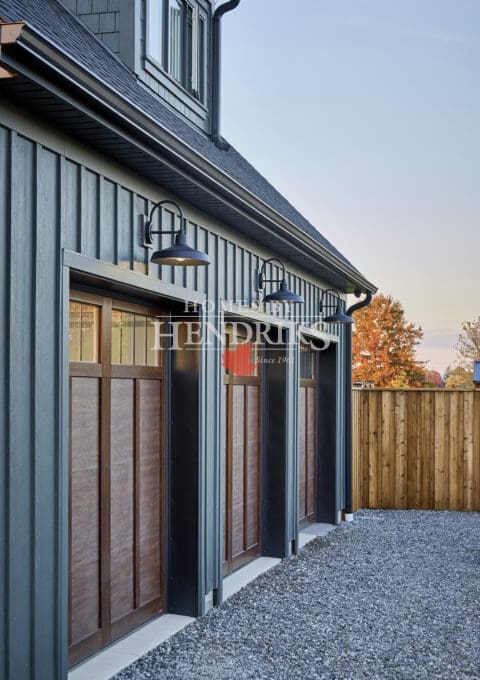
x: 365, y: 114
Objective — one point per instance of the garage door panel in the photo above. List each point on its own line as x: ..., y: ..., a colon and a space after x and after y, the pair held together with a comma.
x: 311, y: 450
x: 238, y: 499
x: 302, y: 453
x: 226, y: 475
x: 85, y: 502
x: 150, y: 537
x: 150, y: 573
x: 241, y: 499
x: 238, y: 471
x: 85, y: 598
x: 122, y: 587
x: 85, y: 423
x: 253, y: 465
x: 121, y: 580
x: 85, y: 533
x: 307, y: 444
x: 122, y: 490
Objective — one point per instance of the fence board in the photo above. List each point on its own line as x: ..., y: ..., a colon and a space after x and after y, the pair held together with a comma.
x: 363, y: 490
x: 400, y: 443
x: 416, y: 449
x: 468, y: 451
x: 372, y: 450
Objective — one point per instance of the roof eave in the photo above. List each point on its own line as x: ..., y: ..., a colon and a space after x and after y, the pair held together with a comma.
x: 142, y: 126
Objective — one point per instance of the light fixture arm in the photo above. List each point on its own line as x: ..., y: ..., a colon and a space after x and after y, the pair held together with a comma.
x: 324, y: 293
x: 261, y: 275
x: 150, y: 232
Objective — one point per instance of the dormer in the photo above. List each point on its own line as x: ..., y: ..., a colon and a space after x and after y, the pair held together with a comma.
x: 165, y: 42
x: 175, y: 54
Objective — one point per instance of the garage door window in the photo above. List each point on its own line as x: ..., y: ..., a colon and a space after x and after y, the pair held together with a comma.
x: 84, y: 332
x: 133, y: 340
x: 307, y: 363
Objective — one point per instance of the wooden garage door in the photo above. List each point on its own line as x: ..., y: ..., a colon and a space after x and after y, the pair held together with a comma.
x: 307, y: 440
x: 242, y: 450
x: 117, y: 471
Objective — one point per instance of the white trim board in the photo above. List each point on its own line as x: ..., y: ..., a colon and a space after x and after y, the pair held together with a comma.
x: 239, y: 579
x: 313, y: 531
x: 121, y: 654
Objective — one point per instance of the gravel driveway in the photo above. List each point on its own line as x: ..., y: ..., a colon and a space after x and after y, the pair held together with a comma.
x: 394, y: 595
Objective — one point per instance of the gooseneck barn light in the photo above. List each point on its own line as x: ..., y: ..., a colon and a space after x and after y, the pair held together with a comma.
x: 339, y: 316
x: 180, y: 254
x: 282, y: 295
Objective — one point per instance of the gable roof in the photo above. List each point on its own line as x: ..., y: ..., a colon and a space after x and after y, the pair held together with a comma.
x: 65, y: 31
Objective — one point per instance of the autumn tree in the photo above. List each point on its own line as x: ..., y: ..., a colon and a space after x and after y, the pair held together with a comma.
x: 468, y: 345
x: 434, y: 379
x: 384, y: 345
x: 459, y: 378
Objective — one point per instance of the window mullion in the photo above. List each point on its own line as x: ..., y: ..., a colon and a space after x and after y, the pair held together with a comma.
x: 166, y: 35
x: 184, y: 43
x: 195, y: 47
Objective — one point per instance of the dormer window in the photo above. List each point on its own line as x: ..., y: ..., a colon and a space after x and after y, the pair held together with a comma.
x: 177, y: 41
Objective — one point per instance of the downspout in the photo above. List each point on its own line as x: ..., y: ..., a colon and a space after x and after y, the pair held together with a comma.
x: 348, y: 404
x: 217, y: 71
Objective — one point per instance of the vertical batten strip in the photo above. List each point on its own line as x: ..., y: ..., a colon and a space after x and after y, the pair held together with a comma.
x: 62, y: 407
x: 100, y: 191
x: 216, y: 434
x: 19, y: 506
x: 245, y: 276
x: 45, y: 418
x: 132, y: 232
x: 12, y: 139
x: 37, y: 189
x: 5, y: 237
x: 115, y: 226
x: 81, y: 208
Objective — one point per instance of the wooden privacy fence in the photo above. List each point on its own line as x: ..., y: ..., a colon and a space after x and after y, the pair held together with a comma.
x: 416, y: 449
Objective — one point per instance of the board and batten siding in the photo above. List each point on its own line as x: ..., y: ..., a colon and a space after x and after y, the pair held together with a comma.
x: 50, y: 202
x: 30, y: 409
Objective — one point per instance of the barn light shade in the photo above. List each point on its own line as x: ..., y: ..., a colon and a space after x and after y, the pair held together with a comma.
x: 180, y: 254
x: 282, y: 295
x: 338, y: 316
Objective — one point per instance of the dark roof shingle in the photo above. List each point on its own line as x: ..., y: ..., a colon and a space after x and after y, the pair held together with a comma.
x: 62, y: 28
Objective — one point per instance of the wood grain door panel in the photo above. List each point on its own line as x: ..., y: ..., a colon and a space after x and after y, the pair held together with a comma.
x: 122, y: 498
x: 150, y: 467
x: 307, y: 439
x: 241, y: 500
x: 85, y: 509
x: 252, y: 453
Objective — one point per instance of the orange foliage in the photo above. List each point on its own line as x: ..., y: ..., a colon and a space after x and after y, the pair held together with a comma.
x: 384, y: 344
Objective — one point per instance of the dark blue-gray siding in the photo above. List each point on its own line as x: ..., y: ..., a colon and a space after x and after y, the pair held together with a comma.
x: 47, y: 203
